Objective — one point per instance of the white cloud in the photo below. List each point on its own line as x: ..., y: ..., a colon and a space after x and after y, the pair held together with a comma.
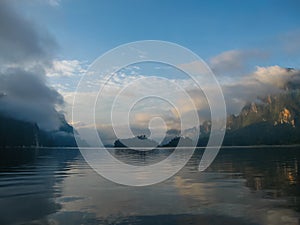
x: 64, y: 75
x: 194, y: 67
x: 227, y: 60
x: 234, y: 61
x: 274, y: 75
x: 66, y: 68
x: 263, y: 81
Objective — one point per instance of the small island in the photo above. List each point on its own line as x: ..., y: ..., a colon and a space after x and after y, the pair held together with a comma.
x: 140, y: 141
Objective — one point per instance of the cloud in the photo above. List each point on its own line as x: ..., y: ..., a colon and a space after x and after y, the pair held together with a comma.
x: 54, y: 2
x: 234, y: 61
x: 245, y: 88
x: 28, y: 98
x: 194, y: 67
x: 66, y: 68
x: 26, y: 51
x: 22, y: 41
x: 274, y: 75
x: 64, y: 75
x: 263, y: 81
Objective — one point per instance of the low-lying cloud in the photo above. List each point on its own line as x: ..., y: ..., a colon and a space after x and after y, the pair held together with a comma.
x: 263, y: 81
x: 26, y: 51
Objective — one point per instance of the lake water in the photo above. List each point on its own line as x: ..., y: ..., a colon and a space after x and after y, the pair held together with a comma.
x: 242, y: 186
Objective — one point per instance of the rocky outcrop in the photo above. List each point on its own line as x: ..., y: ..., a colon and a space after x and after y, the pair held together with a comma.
x: 285, y: 117
x: 205, y: 127
x: 273, y: 119
x: 278, y: 109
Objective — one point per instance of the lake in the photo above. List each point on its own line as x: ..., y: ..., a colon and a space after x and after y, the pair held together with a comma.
x: 242, y: 186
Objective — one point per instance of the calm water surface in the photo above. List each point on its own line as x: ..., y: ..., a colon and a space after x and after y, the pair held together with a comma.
x: 242, y: 186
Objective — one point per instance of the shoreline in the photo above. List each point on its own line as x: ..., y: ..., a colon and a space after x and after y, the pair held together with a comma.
x: 158, y: 148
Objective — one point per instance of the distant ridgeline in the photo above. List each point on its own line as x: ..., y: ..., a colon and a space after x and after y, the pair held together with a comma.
x: 143, y: 141
x: 15, y: 132
x: 272, y: 120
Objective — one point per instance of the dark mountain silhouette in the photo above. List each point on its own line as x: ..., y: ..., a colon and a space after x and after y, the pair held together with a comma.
x: 138, y: 141
x: 180, y: 141
x: 15, y: 132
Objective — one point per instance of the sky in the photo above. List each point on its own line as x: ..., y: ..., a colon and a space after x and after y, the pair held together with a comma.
x: 87, y: 29
x: 247, y: 44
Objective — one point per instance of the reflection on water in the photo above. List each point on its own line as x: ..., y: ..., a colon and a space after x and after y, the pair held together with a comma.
x: 242, y: 186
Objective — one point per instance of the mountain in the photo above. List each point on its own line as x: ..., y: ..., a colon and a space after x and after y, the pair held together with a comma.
x: 273, y: 119
x: 283, y: 108
x: 62, y: 137
x: 15, y: 132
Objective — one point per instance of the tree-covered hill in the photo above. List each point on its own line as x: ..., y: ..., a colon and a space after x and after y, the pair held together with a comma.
x: 15, y: 132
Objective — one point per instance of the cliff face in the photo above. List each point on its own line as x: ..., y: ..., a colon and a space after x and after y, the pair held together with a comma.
x: 205, y: 128
x: 285, y: 116
x: 279, y: 109
x: 273, y: 119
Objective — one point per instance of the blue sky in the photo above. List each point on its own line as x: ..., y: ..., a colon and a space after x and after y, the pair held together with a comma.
x: 86, y: 29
